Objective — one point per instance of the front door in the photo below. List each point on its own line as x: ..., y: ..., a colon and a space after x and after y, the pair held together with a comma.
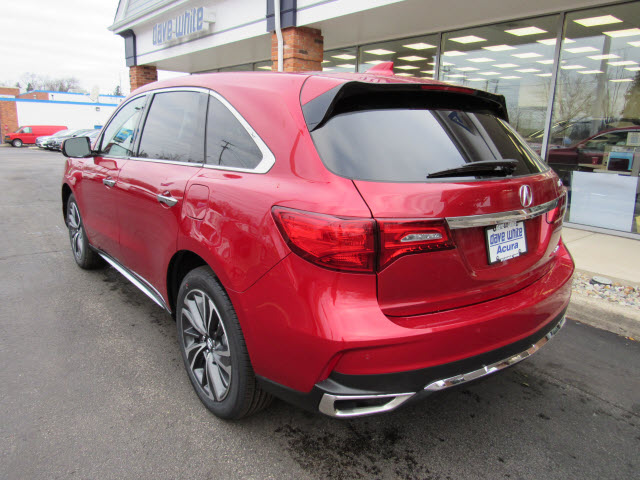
x: 100, y: 176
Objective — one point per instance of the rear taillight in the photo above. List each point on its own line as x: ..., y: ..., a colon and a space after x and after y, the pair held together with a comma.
x: 358, y: 244
x: 556, y: 215
x: 398, y: 238
x: 338, y: 243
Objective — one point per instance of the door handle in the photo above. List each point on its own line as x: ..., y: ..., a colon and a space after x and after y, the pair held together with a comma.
x: 108, y: 182
x: 168, y: 200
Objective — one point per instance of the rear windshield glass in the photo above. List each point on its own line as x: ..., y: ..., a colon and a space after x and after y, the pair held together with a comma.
x: 406, y: 145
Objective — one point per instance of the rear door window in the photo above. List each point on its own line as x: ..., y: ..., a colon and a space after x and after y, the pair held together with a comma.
x: 407, y: 144
x: 174, y: 129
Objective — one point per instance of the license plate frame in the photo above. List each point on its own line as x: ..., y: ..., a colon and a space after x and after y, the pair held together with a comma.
x: 505, y: 241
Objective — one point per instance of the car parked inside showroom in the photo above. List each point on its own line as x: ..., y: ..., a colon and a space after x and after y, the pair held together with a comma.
x: 589, y: 154
x: 348, y: 242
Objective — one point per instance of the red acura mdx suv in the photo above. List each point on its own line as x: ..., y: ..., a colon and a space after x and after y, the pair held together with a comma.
x: 349, y: 243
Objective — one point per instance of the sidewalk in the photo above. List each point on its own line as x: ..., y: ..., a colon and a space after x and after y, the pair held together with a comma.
x: 615, y: 258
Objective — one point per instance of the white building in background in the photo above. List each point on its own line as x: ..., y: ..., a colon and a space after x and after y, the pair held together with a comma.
x: 45, y: 107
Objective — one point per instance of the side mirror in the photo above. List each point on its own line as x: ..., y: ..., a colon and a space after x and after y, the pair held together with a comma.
x: 77, y: 147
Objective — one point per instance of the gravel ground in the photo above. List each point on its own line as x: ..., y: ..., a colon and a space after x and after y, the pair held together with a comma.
x: 616, y: 293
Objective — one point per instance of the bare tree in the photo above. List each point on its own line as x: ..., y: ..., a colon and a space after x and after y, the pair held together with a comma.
x: 632, y: 100
x: 35, y: 81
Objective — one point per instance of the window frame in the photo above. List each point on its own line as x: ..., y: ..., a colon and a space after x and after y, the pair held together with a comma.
x: 143, y: 123
x: 137, y: 127
x: 268, y: 158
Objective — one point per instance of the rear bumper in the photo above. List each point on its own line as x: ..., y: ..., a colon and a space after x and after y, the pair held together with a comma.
x: 346, y: 396
x: 310, y: 331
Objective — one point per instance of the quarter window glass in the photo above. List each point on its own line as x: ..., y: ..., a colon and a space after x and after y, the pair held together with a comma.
x: 174, y: 129
x: 120, y: 134
x: 228, y: 143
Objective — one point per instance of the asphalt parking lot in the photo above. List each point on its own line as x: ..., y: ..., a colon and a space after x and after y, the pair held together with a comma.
x: 92, y: 386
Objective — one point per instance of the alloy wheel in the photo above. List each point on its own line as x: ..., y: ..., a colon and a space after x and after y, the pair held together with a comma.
x: 206, y: 345
x: 74, y: 222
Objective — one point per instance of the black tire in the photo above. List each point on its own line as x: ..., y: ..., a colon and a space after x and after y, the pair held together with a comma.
x: 213, y: 348
x: 83, y: 254
x: 17, y: 143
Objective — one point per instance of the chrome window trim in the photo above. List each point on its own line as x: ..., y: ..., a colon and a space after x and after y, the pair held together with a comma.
x: 172, y: 162
x: 501, y: 217
x: 268, y: 158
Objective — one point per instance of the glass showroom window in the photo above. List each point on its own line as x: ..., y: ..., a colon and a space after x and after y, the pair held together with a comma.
x: 265, y: 65
x: 514, y: 59
x: 411, y: 57
x: 594, y: 143
x: 342, y: 60
x: 245, y: 67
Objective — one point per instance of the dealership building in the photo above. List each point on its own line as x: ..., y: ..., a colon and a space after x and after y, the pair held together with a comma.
x: 569, y: 69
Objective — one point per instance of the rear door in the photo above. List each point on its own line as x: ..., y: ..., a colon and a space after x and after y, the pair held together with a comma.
x: 151, y: 186
x: 446, y: 240
x: 97, y: 189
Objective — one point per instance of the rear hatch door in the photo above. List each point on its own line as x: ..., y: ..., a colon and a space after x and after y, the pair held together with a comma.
x: 413, y: 154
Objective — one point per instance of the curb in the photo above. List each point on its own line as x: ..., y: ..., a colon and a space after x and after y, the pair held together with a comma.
x: 617, y: 319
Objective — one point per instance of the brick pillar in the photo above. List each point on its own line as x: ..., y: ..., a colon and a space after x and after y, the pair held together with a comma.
x: 303, y: 49
x: 140, y: 75
x: 8, y: 117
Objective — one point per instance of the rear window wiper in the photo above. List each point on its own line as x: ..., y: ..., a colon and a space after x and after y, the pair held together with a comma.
x: 485, y: 167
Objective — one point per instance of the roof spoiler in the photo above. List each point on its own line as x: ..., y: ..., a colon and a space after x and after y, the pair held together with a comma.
x: 356, y: 95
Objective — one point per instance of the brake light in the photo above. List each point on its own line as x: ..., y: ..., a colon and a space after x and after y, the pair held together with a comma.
x: 349, y: 244
x: 346, y: 244
x: 398, y: 238
x: 556, y: 215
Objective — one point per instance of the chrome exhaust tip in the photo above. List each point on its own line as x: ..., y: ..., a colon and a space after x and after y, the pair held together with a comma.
x: 347, y: 406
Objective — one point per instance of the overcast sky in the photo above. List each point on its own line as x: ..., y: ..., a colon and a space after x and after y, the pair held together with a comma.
x: 62, y: 38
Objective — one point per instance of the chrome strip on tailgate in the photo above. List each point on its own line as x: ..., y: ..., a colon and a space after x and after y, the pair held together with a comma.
x: 501, y: 217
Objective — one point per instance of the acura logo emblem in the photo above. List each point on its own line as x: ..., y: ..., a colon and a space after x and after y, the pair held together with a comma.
x: 526, y: 197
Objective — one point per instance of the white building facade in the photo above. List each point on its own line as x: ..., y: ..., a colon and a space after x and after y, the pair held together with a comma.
x: 568, y: 69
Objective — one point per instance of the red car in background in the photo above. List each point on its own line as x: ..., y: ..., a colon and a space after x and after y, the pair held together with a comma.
x: 347, y: 242
x: 587, y: 152
x: 28, y: 134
